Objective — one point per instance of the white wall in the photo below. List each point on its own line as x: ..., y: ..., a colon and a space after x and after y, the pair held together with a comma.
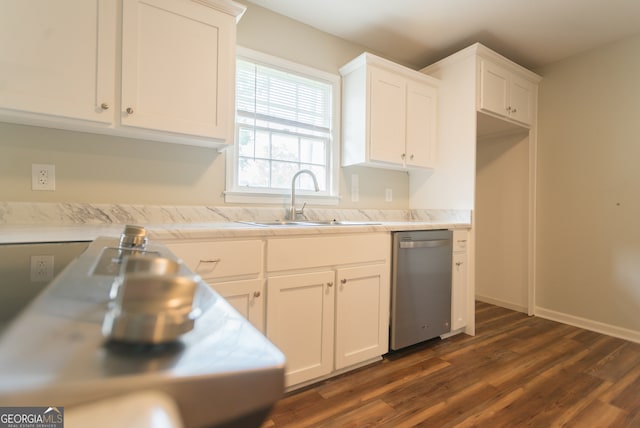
x: 502, y: 220
x: 450, y: 185
x: 103, y: 169
x: 588, y: 216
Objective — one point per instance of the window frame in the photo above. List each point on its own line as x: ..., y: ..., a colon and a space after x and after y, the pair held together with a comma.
x: 237, y: 194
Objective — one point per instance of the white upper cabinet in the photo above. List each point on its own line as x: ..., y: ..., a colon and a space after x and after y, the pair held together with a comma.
x: 58, y: 58
x: 175, y: 54
x: 421, y: 140
x: 505, y: 93
x: 61, y: 67
x: 389, y: 115
x: 387, y: 128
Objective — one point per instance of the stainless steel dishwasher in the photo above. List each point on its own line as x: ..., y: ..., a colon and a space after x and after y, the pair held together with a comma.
x: 421, y: 286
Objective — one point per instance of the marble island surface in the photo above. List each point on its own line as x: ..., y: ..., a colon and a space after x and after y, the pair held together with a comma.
x: 22, y: 222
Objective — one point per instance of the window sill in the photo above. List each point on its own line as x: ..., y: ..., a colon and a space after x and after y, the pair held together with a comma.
x: 236, y: 197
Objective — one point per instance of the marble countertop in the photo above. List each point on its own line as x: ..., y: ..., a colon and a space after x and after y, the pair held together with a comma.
x: 62, y: 222
x: 165, y: 232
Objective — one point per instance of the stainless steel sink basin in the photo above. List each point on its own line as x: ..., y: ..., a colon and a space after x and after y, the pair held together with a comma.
x: 277, y: 223
x: 341, y: 223
x: 308, y: 223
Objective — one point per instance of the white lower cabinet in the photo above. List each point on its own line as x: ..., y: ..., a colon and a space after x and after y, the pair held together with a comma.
x: 247, y: 297
x: 233, y: 268
x: 459, y: 280
x: 323, y: 300
x: 300, y: 313
x: 328, y: 302
x: 362, y: 301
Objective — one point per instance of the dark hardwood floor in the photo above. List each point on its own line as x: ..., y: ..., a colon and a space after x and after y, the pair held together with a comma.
x: 517, y: 371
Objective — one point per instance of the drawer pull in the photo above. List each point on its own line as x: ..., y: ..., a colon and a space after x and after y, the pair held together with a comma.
x: 256, y: 294
x: 343, y: 281
x: 209, y: 262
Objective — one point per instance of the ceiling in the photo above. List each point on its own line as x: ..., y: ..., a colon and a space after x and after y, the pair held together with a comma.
x: 419, y: 32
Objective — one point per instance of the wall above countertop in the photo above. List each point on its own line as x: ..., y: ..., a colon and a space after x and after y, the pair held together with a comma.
x: 95, y: 168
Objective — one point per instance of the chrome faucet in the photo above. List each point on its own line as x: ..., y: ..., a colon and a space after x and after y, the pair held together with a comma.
x: 293, y: 211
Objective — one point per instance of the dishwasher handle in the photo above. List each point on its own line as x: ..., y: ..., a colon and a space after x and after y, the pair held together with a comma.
x: 408, y: 244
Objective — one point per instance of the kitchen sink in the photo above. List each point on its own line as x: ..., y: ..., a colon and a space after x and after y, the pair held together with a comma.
x: 308, y: 223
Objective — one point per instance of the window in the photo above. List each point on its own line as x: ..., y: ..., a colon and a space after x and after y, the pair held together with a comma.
x: 285, y: 121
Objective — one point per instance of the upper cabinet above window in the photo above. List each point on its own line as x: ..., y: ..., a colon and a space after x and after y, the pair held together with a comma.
x: 62, y: 62
x: 389, y: 115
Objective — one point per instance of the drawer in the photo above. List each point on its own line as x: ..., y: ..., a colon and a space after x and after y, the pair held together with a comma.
x: 460, y: 240
x: 321, y: 251
x: 221, y: 259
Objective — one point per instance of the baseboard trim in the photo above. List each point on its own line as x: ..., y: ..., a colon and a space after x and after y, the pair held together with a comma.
x: 502, y: 303
x: 587, y: 324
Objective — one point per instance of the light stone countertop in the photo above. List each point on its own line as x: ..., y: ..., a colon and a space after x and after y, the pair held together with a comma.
x: 62, y: 222
x: 201, y: 231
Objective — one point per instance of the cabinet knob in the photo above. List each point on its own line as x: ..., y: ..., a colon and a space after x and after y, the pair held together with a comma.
x: 256, y: 294
x: 509, y: 108
x: 403, y: 156
x: 129, y: 110
x: 411, y: 157
x: 513, y: 110
x: 329, y: 284
x: 343, y: 281
x: 104, y: 106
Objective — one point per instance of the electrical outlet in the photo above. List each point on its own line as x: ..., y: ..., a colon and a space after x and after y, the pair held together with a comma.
x: 43, y: 177
x: 41, y: 268
x: 388, y: 195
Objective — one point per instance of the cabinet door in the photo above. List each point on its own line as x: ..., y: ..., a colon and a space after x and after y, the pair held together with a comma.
x: 58, y: 58
x: 494, y: 88
x: 177, y: 66
x: 459, y: 291
x: 362, y: 314
x: 387, y: 116
x: 300, y: 310
x: 521, y: 100
x: 421, y: 125
x: 247, y: 297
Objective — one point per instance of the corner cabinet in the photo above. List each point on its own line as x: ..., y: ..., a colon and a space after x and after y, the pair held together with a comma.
x: 389, y: 115
x: 328, y: 302
x: 176, y: 61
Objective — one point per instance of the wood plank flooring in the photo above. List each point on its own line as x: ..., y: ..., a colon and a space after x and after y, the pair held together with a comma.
x: 517, y: 371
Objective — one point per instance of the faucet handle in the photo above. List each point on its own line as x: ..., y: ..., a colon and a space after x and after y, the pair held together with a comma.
x: 301, y: 210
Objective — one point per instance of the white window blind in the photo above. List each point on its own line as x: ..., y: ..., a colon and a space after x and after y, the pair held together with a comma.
x: 283, y: 124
